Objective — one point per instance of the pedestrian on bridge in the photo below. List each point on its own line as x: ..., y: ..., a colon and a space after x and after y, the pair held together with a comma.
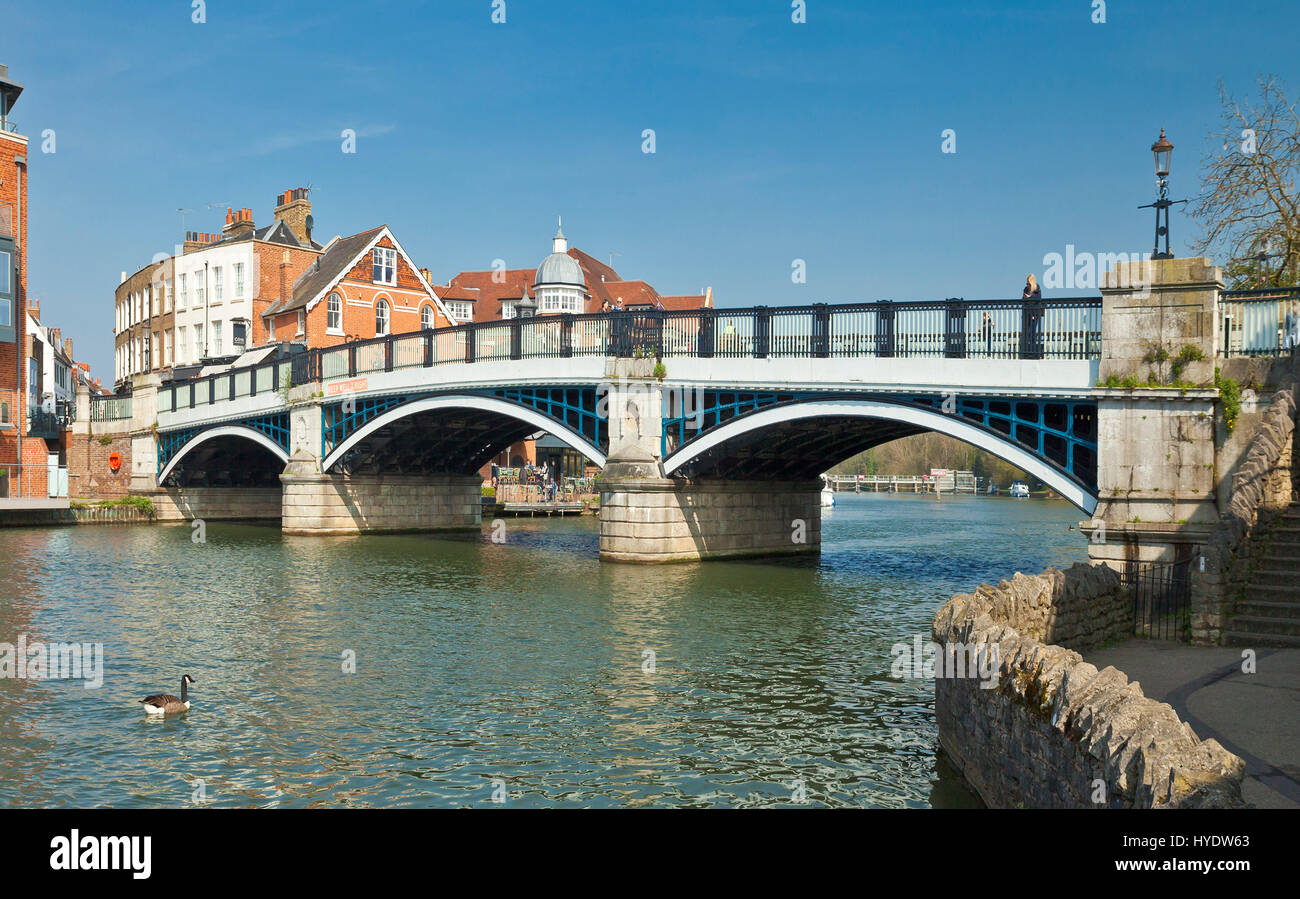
x: 986, y: 328
x: 1032, y: 290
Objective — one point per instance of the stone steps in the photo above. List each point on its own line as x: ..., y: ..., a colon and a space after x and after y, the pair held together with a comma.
x: 1269, y: 614
x: 1277, y: 575
x: 1274, y: 641
x: 1269, y: 608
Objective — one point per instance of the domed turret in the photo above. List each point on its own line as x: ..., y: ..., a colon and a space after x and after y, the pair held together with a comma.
x: 559, y: 267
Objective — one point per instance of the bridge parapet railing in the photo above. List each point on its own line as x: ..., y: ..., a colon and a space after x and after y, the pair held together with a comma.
x: 1067, y: 328
x: 110, y: 408
x: 1263, y: 322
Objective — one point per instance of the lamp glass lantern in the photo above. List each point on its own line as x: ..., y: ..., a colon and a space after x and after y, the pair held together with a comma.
x: 1163, y: 152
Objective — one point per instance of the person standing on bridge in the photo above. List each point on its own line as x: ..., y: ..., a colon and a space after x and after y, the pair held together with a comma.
x: 1032, y: 290
x: 986, y: 328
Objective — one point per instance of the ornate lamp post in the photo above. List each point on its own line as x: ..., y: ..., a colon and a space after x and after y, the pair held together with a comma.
x: 1163, y: 151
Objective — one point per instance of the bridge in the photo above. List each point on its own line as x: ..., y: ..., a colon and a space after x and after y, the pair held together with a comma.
x: 712, y: 426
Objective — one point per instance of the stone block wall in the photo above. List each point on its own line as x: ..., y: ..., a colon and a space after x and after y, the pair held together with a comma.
x: 215, y: 503
x: 334, y: 504
x: 666, y: 520
x: 1261, y: 489
x: 1053, y: 731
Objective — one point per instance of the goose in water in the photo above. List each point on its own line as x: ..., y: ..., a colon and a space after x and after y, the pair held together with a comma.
x: 167, y: 704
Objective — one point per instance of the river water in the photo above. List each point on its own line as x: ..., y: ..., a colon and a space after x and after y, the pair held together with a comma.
x: 525, y: 670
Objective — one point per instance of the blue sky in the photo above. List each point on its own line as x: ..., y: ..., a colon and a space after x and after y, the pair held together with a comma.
x: 774, y: 140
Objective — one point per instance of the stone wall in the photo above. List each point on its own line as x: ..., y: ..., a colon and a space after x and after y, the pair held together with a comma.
x: 667, y: 520
x: 215, y: 503
x: 1053, y: 731
x: 315, y: 504
x: 1261, y: 489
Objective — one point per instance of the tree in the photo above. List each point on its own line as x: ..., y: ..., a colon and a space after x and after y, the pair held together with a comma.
x: 1248, y: 207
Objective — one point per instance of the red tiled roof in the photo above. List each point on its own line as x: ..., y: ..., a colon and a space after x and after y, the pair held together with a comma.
x: 691, y: 301
x: 489, y: 288
x: 632, y: 293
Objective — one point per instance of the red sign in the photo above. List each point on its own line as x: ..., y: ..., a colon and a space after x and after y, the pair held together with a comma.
x: 346, y: 386
x: 114, y: 461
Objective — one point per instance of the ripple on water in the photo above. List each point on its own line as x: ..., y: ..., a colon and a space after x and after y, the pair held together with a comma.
x: 479, y: 663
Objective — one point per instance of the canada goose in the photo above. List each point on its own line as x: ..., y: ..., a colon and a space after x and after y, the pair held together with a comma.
x: 167, y: 704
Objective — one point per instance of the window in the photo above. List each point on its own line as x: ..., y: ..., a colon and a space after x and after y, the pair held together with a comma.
x: 199, y: 289
x: 270, y: 328
x: 167, y: 296
x: 167, y: 347
x: 216, y: 338
x: 460, y: 311
x: 239, y: 280
x: 153, y: 301
x: 155, y: 348
x: 381, y: 318
x: 302, y: 322
x: 216, y: 285
x: 334, y: 314
x: 184, y: 296
x: 426, y: 317
x: 385, y: 266
x: 559, y: 301
x: 508, y: 310
x: 200, y: 349
x: 181, y: 348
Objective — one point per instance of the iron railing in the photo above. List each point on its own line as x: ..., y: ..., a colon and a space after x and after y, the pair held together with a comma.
x: 990, y: 329
x: 1161, y: 598
x: 1263, y: 322
x: 110, y: 408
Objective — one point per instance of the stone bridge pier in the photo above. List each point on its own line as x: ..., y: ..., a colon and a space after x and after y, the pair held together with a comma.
x: 315, y: 502
x: 646, y: 517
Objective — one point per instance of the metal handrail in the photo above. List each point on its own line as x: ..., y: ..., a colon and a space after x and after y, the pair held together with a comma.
x: 1063, y: 328
x: 1261, y: 321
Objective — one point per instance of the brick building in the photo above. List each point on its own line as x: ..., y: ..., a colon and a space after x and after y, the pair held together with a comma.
x: 360, y: 287
x: 22, y: 460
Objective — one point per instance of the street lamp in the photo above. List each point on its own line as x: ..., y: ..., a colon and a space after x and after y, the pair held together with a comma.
x: 1162, y: 151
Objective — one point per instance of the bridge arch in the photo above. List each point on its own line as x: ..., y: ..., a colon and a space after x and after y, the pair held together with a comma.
x: 534, y: 420
x: 221, y: 432
x: 898, y: 420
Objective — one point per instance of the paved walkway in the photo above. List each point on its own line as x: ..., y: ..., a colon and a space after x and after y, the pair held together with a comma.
x: 1256, y: 716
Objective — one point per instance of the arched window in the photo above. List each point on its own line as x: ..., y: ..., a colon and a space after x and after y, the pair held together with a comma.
x: 381, y: 318
x: 426, y: 317
x: 334, y: 313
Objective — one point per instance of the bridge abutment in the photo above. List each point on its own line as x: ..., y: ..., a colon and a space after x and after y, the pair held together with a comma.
x: 1156, y: 411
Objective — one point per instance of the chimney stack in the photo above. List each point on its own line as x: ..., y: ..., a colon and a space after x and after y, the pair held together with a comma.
x: 294, y: 209
x: 238, y: 223
x: 34, y: 309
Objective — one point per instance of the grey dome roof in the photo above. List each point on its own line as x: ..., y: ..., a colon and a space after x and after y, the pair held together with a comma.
x: 559, y: 268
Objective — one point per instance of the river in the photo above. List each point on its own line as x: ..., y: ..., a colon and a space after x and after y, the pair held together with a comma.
x: 525, y: 671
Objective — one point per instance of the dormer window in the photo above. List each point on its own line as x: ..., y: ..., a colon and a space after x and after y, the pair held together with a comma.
x: 385, y: 265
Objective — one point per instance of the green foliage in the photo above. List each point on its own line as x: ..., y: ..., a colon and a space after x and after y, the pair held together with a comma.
x: 105, y: 441
x: 489, y: 491
x: 1230, y: 396
x: 921, y: 452
x: 141, y: 503
x: 661, y: 371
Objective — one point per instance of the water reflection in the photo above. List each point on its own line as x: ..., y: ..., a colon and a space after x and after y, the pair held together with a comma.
x: 475, y: 662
